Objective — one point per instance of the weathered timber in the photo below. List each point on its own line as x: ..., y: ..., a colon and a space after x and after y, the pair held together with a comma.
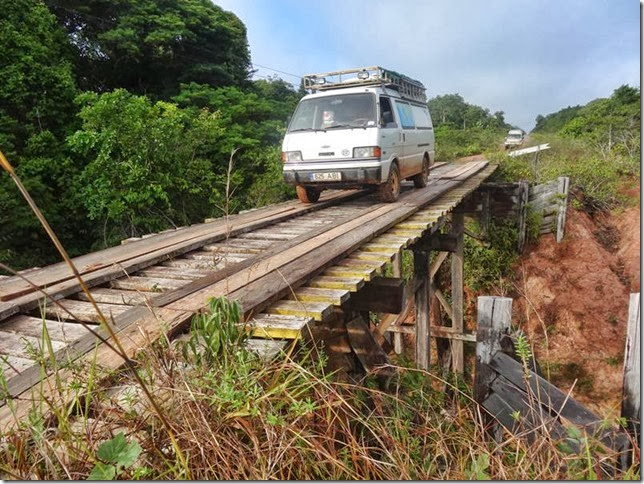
x: 458, y: 225
x: 103, y: 265
x: 421, y: 301
x: 134, y: 317
x: 56, y: 330
x: 493, y: 316
x: 563, y: 184
x: 382, y: 295
x: 368, y: 351
x: 631, y: 396
x: 523, y: 194
x: 437, y: 242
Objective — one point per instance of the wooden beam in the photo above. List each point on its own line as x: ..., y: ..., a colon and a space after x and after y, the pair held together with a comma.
x: 458, y: 225
x: 397, y: 270
x: 380, y: 295
x: 422, y: 299
x: 440, y: 258
x: 522, y: 209
x: 437, y: 242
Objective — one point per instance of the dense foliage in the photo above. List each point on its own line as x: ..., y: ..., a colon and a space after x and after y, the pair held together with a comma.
x: 464, y: 129
x: 120, y: 118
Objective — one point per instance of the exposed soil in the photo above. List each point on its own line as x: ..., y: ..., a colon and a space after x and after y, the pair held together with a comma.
x: 574, y: 302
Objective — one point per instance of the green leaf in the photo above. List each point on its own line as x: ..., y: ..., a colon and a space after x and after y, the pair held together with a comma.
x: 102, y: 472
x: 117, y: 451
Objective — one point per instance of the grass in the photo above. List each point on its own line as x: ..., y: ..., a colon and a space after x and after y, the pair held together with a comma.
x: 236, y: 417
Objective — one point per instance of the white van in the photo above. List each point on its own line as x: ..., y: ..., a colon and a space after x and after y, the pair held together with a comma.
x: 372, y: 129
x: 514, y: 138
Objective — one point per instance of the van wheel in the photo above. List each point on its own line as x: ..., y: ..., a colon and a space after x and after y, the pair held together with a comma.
x: 420, y: 180
x: 307, y: 194
x: 389, y: 191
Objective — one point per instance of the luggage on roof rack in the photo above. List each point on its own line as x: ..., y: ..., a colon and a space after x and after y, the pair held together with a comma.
x: 367, y: 76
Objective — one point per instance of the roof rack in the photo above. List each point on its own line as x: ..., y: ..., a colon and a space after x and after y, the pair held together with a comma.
x: 367, y: 76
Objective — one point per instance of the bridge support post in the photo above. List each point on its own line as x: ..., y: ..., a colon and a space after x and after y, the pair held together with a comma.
x: 458, y: 227
x: 397, y: 272
x: 422, y: 298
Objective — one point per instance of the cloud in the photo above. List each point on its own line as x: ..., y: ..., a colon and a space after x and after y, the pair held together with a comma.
x: 521, y: 57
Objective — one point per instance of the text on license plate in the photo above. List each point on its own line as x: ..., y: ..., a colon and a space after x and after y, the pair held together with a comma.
x: 332, y: 176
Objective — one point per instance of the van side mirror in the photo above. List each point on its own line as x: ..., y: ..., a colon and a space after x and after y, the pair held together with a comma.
x: 387, y: 117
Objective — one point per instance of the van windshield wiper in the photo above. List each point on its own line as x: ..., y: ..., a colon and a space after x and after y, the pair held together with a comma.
x: 335, y: 126
x: 304, y: 129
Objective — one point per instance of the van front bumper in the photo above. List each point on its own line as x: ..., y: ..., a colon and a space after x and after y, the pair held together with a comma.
x: 351, y: 173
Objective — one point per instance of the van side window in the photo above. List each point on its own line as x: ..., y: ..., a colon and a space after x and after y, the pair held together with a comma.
x: 405, y: 115
x: 386, y: 113
x: 421, y: 117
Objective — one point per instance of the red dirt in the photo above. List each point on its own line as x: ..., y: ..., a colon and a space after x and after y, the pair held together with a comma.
x: 575, y: 303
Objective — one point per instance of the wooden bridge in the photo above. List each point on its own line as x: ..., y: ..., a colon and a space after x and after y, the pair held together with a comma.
x: 292, y: 267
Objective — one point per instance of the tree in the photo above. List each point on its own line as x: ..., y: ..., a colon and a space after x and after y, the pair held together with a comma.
x: 148, y: 163
x: 151, y: 46
x: 37, y: 91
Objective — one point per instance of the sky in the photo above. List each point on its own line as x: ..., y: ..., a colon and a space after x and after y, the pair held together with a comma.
x: 522, y: 57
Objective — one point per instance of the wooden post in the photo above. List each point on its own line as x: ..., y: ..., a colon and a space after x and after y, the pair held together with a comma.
x: 457, y: 291
x: 562, y: 191
x: 523, y: 193
x: 422, y: 298
x: 631, y: 391
x: 486, y: 211
x: 397, y: 272
x: 493, y: 316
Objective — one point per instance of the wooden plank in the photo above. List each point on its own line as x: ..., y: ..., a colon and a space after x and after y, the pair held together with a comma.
x: 631, y: 395
x: 25, y: 346
x: 137, y: 283
x: 82, y: 311
x: 376, y: 256
x: 458, y: 225
x: 304, y: 309
x: 57, y: 330
x: 269, y: 326
x: 118, y: 296
x: 14, y: 365
x: 100, y: 266
x: 352, y: 284
x: 522, y: 210
x: 166, y: 272
x: 349, y: 272
x: 318, y: 294
x: 140, y: 333
x: 563, y: 184
x: 546, y: 393
x: 494, y: 316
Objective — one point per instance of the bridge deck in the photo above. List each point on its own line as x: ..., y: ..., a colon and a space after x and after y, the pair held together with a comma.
x: 288, y: 265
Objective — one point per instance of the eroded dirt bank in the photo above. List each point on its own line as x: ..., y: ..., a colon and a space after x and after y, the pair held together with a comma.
x: 574, y: 302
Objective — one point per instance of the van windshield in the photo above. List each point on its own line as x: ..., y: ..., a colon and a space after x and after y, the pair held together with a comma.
x: 331, y: 112
x: 514, y: 136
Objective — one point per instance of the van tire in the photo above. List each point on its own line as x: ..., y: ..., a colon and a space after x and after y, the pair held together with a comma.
x: 388, y: 192
x: 420, y: 180
x: 307, y: 194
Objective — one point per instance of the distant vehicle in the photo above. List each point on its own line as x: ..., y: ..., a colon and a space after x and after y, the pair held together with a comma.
x: 370, y: 129
x: 514, y: 138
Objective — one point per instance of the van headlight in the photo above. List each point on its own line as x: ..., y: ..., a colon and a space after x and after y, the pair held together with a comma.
x: 290, y: 156
x: 367, y: 152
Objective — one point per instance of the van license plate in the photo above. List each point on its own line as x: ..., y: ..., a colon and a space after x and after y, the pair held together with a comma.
x: 333, y: 176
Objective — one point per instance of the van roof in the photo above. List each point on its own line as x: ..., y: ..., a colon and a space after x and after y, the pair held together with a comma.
x: 357, y: 90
